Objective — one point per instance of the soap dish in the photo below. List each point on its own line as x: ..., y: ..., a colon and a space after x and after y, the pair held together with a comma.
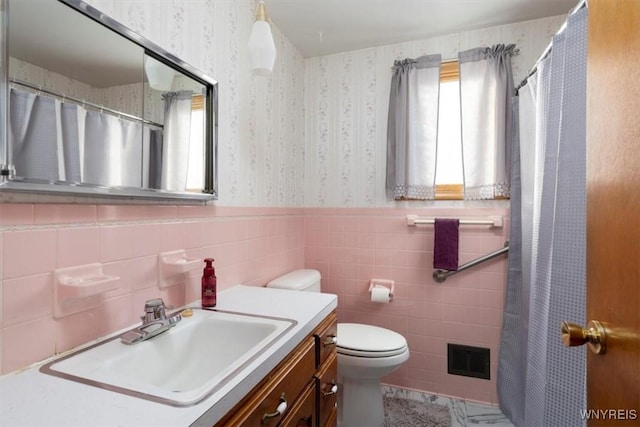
x: 80, y: 288
x: 172, y: 266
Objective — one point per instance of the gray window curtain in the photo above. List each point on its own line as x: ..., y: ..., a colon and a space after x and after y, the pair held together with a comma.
x: 486, y: 86
x: 175, y: 146
x: 412, y: 132
x: 152, y: 158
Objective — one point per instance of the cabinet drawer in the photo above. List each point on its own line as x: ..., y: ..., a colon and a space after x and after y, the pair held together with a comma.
x: 303, y: 413
x: 284, y: 384
x: 326, y: 338
x: 327, y: 389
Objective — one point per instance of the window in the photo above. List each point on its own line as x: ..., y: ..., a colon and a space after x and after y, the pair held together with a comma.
x: 449, y: 178
x: 426, y: 127
x: 195, y: 176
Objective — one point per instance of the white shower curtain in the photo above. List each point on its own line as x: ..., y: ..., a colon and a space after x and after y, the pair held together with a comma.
x: 540, y: 382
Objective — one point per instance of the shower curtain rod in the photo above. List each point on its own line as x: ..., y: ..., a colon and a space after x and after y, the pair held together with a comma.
x: 547, y: 50
x: 84, y: 103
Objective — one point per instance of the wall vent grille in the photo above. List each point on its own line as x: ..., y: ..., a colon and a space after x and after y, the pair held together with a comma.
x: 468, y: 361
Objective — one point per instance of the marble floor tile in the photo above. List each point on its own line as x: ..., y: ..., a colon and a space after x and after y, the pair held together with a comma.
x: 479, y: 414
x: 463, y: 414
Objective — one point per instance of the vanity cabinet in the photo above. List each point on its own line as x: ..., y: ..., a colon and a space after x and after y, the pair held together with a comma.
x: 327, y: 391
x: 327, y: 373
x: 302, y: 414
x: 300, y: 391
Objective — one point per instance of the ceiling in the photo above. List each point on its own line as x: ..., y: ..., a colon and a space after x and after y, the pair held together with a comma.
x: 56, y: 37
x: 322, y: 27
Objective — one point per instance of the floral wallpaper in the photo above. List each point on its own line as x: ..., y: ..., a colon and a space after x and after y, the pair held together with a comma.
x: 261, y: 120
x: 314, y: 133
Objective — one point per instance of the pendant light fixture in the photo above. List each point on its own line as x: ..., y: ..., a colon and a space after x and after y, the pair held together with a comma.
x: 262, y: 49
x: 159, y: 75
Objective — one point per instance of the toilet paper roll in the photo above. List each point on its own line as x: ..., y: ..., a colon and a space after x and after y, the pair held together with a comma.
x: 380, y: 294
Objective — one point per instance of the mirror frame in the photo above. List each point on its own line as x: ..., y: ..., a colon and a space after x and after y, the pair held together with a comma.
x: 210, y: 190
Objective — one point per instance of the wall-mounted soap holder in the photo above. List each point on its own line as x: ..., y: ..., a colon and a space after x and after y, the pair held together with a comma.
x: 172, y: 267
x: 80, y: 288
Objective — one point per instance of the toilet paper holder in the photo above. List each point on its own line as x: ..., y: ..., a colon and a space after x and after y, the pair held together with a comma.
x: 390, y: 284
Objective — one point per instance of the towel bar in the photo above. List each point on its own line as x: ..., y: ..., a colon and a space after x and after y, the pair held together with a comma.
x: 493, y: 221
x: 441, y: 275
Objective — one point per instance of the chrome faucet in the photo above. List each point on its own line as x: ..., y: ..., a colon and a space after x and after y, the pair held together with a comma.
x: 154, y: 309
x: 154, y: 322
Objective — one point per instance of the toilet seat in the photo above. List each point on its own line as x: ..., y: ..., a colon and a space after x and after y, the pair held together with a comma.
x: 360, y: 340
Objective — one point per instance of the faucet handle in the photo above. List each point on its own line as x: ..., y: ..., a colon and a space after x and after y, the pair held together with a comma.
x: 153, y: 302
x: 154, y: 309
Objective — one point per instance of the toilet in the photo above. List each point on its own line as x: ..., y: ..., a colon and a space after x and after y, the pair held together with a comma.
x: 366, y: 353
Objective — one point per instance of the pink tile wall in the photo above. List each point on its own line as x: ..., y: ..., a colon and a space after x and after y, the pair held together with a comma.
x: 250, y: 245
x: 351, y: 246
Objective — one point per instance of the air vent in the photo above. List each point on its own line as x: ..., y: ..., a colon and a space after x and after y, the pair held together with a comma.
x: 468, y: 361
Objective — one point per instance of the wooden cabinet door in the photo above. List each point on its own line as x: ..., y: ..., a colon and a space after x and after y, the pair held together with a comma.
x: 327, y: 389
x: 287, y: 383
x: 303, y: 413
x: 326, y: 338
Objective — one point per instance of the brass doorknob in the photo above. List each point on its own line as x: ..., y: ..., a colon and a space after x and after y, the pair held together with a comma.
x: 595, y: 336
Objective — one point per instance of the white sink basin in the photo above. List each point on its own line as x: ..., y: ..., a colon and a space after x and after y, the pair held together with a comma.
x: 179, y: 367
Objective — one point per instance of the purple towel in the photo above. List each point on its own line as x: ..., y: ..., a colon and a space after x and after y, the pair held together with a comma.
x: 445, y: 244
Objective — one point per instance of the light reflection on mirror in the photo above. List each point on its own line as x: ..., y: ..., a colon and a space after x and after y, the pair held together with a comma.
x: 174, y: 102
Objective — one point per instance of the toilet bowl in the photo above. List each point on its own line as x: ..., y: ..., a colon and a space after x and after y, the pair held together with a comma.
x: 366, y: 353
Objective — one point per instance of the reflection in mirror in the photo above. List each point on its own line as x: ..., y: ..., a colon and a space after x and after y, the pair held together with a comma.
x: 175, y: 103
x: 92, y: 111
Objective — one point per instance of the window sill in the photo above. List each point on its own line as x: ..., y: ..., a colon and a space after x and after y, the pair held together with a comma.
x: 450, y: 192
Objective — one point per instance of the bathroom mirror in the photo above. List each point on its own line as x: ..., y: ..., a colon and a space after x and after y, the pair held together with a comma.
x: 95, y: 109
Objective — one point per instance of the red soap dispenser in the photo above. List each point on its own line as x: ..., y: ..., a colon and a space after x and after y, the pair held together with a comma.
x: 209, y: 297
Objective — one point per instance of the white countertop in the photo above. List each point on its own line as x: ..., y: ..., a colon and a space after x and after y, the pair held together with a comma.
x: 31, y: 398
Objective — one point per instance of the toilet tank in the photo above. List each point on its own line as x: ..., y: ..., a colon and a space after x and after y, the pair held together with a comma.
x: 298, y: 280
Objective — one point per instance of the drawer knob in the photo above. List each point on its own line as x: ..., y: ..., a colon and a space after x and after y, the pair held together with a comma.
x: 282, y: 406
x: 333, y: 389
x: 331, y: 340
